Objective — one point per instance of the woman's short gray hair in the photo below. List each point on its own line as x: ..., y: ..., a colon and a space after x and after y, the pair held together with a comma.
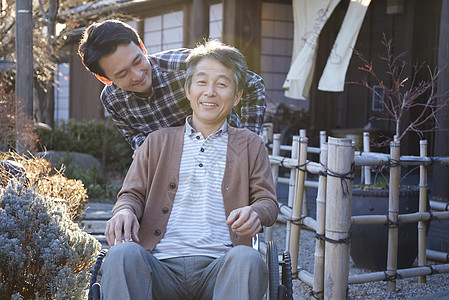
x: 229, y: 56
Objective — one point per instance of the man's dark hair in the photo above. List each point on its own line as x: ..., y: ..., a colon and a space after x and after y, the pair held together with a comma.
x: 102, y: 39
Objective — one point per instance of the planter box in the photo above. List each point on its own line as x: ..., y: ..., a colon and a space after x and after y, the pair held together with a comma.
x: 369, y: 243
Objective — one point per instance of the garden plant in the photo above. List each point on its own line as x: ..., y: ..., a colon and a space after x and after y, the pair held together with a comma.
x: 411, y: 104
x: 43, y: 253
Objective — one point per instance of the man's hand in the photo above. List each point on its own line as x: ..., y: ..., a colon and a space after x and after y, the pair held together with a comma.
x: 122, y: 224
x: 244, y: 221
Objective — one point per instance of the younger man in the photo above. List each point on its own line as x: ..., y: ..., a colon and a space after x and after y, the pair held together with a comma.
x: 144, y: 93
x: 193, y: 198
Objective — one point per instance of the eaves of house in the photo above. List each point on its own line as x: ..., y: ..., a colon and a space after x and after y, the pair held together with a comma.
x: 134, y: 7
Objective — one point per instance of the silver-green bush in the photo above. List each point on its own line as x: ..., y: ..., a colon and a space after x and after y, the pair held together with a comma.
x: 43, y: 253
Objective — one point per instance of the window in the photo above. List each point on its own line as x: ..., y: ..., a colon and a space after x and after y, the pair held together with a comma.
x: 216, y: 21
x: 163, y: 32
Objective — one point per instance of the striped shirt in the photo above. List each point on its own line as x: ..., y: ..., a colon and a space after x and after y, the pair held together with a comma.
x: 197, y: 223
x: 167, y: 106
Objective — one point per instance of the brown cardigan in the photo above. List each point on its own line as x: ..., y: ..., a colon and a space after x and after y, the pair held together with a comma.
x: 150, y: 186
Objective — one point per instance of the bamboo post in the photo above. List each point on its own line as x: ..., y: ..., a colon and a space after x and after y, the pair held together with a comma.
x: 292, y: 187
x: 318, y: 274
x: 276, y: 151
x: 338, y: 217
x: 297, y: 205
x: 422, y: 226
x: 269, y: 127
x: 366, y: 148
x: 322, y: 138
x: 265, y: 135
x: 393, y: 211
x: 275, y: 172
x: 303, y: 133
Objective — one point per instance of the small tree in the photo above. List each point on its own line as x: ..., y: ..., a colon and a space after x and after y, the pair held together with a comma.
x: 405, y: 94
x: 8, y: 132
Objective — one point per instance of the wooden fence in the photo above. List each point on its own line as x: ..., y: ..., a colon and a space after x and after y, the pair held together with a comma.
x: 335, y: 170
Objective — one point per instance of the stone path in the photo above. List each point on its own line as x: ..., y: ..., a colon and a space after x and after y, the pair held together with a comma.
x: 94, y: 220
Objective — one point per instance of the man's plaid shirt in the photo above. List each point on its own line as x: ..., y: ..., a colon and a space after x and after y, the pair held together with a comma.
x: 167, y: 106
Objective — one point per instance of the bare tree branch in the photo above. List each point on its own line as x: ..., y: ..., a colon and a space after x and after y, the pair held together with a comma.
x: 405, y: 93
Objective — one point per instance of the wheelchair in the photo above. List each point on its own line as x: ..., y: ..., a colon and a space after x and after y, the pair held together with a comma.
x: 279, y: 287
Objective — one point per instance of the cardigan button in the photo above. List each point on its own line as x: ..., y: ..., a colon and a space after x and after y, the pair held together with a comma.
x: 157, y: 232
x: 172, y: 185
x: 165, y: 210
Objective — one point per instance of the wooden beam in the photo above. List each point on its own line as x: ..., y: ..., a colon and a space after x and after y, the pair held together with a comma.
x: 24, y: 65
x: 440, y: 190
x: 200, y: 18
x: 24, y: 54
x: 196, y: 22
x: 241, y: 28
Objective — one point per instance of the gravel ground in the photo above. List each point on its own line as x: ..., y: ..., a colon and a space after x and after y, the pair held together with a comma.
x: 408, y: 288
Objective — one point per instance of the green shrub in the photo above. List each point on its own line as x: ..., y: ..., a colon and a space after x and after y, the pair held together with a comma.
x: 43, y: 253
x: 95, y: 183
x: 100, y: 138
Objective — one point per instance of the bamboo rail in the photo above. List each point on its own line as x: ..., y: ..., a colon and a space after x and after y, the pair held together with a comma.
x: 402, y: 218
x: 305, y: 277
x: 402, y: 273
x: 437, y: 256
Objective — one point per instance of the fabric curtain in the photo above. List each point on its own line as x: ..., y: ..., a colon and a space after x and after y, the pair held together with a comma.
x: 309, y: 16
x: 334, y: 74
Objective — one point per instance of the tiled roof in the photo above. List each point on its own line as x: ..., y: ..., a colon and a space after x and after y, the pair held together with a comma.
x: 96, y: 5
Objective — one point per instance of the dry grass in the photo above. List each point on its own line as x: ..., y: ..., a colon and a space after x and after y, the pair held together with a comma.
x: 48, y: 181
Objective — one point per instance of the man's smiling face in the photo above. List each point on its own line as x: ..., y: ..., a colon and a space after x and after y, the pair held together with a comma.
x: 212, y: 94
x: 129, y: 69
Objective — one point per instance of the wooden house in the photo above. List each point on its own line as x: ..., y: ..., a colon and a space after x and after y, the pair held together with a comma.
x: 264, y: 31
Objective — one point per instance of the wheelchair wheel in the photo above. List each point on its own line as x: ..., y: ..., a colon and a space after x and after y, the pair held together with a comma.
x: 287, y: 275
x: 273, y: 271
x: 94, y: 286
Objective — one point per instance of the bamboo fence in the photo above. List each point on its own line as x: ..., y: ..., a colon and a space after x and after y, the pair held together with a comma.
x: 335, y: 168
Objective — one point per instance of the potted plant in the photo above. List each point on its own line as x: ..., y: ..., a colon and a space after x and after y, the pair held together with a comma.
x: 398, y: 98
